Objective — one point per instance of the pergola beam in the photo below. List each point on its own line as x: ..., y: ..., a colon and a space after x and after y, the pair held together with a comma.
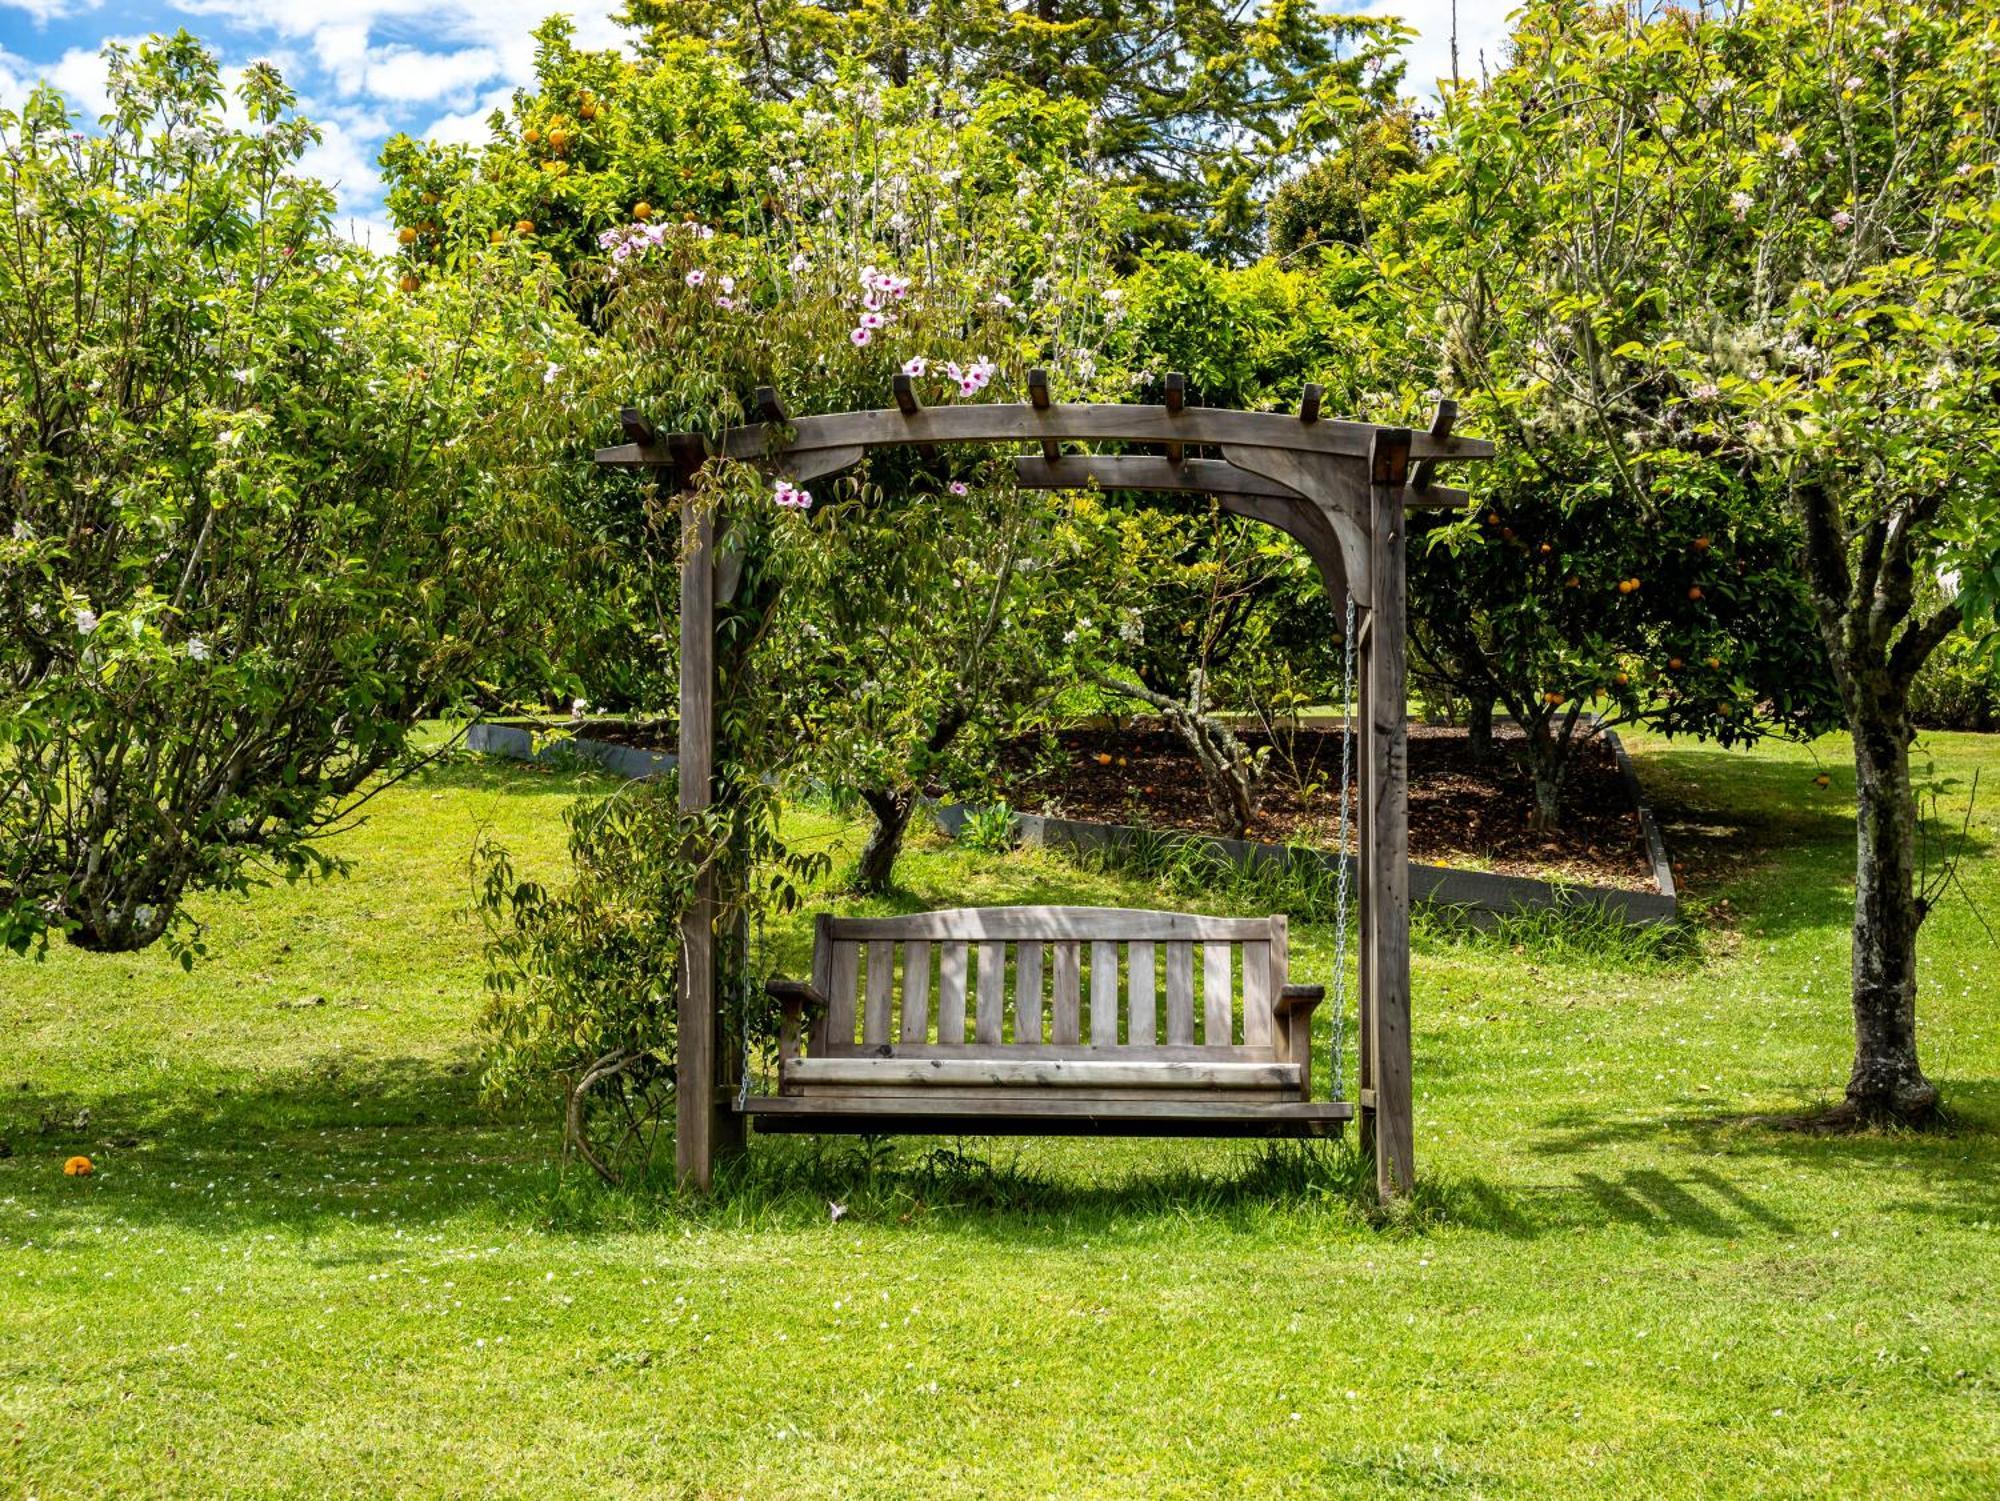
x: 1071, y: 422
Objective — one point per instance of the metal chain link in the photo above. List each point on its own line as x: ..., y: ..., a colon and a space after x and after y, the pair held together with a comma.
x: 754, y: 965
x: 1341, y: 879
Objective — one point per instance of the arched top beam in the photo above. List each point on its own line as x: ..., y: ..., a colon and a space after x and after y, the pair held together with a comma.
x: 1059, y: 422
x: 1138, y: 471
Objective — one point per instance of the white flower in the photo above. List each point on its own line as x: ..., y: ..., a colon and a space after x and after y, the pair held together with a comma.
x: 578, y: 707
x: 1788, y: 147
x: 22, y: 531
x: 800, y: 262
x: 1739, y: 204
x: 244, y: 376
x: 549, y: 373
x: 197, y: 649
x: 86, y: 620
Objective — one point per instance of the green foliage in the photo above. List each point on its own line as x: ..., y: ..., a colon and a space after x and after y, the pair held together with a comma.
x: 260, y: 510
x: 1327, y: 204
x: 1196, y: 108
x: 1957, y: 689
x: 990, y: 829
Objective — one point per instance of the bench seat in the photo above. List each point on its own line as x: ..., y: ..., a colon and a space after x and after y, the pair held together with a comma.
x: 1055, y: 1073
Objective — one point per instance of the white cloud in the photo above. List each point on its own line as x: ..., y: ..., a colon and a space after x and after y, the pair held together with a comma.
x: 468, y: 128
x: 406, y: 75
x: 345, y: 161
x: 41, y: 12
x: 1482, y: 33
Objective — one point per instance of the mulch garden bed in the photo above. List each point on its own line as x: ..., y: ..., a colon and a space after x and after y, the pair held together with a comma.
x: 1461, y: 813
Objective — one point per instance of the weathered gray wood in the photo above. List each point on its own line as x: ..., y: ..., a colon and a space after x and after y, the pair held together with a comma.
x: 1257, y: 994
x: 1028, y: 992
x: 1364, y: 884
x: 1049, y: 1073
x: 1001, y: 422
x: 916, y: 990
x: 991, y: 1016
x: 1141, y: 1024
x: 881, y: 979
x: 1004, y: 1097
x: 1065, y: 1000
x: 1046, y: 1050
x: 1180, y: 994
x: 951, y: 993
x: 1133, y: 1104
x: 1140, y: 471
x: 1339, y: 492
x: 1103, y: 995
x: 1387, y: 728
x: 843, y: 978
x: 1088, y: 924
x: 698, y: 1123
x: 822, y: 979
x: 1218, y: 1003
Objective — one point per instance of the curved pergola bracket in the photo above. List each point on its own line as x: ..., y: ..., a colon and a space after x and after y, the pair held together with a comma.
x: 1341, y: 489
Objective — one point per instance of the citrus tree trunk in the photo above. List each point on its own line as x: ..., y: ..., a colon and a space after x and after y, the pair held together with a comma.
x: 892, y: 808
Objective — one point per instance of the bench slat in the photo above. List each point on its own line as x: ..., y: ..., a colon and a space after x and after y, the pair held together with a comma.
x: 1065, y: 1022
x: 917, y: 990
x: 881, y: 976
x: 1031, y: 1052
x: 1217, y: 1004
x: 1103, y: 994
x: 1180, y: 993
x: 951, y: 993
x: 1141, y: 1026
x: 1028, y: 992
x: 1257, y: 994
x: 1053, y: 1073
x: 843, y: 977
x: 1081, y: 924
x: 992, y: 1012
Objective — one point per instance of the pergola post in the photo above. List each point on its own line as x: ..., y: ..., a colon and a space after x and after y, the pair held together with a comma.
x: 1385, y: 930
x: 698, y: 1126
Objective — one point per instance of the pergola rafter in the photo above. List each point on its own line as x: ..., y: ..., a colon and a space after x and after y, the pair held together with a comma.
x: 1340, y: 488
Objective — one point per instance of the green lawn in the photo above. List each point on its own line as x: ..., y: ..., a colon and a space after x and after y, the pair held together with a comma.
x: 311, y: 1264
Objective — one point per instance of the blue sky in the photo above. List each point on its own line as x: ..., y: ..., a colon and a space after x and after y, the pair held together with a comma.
x: 366, y: 69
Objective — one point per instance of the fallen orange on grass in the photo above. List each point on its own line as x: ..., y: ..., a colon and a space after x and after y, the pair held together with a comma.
x: 78, y: 1167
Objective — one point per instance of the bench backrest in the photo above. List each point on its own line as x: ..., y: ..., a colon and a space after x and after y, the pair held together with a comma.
x: 1048, y: 977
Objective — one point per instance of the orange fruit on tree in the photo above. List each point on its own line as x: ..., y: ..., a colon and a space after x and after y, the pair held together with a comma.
x: 531, y: 135
x: 1546, y: 549
x: 406, y: 236
x: 1573, y: 582
x: 1701, y: 544
x: 497, y: 237
x: 642, y: 211
x: 524, y: 227
x: 1552, y: 697
x: 1694, y: 591
x: 1714, y: 662
x: 1622, y: 679
x: 587, y: 110
x: 558, y: 141
x: 1673, y: 664
x: 409, y: 283
x: 1492, y: 518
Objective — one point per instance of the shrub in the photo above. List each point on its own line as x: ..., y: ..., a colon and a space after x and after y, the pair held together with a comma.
x: 253, y: 516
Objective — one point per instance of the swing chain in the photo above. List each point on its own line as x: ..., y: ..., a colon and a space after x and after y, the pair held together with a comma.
x: 1340, y: 894
x: 751, y: 968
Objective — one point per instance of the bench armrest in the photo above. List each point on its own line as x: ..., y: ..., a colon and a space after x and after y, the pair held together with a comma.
x: 1299, y: 1000
x: 795, y: 995
x: 799, y: 1002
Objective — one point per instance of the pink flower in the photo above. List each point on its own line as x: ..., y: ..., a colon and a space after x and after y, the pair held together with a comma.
x: 790, y: 496
x: 915, y: 366
x: 959, y: 487
x: 728, y: 304
x: 871, y: 300
x: 728, y: 283
x: 696, y: 277
x: 1843, y: 221
x: 1739, y: 204
x: 968, y: 387
x: 872, y: 320
x: 860, y: 337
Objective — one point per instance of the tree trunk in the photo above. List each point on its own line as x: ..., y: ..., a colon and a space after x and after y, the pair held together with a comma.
x: 1887, y: 1082
x: 1548, y: 764
x: 892, y: 811
x: 1479, y: 727
x: 1225, y: 769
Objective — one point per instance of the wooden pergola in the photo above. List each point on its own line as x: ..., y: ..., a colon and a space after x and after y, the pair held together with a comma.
x: 1340, y: 488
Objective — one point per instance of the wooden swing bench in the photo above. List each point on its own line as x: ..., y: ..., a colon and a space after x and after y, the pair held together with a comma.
x: 886, y: 1049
